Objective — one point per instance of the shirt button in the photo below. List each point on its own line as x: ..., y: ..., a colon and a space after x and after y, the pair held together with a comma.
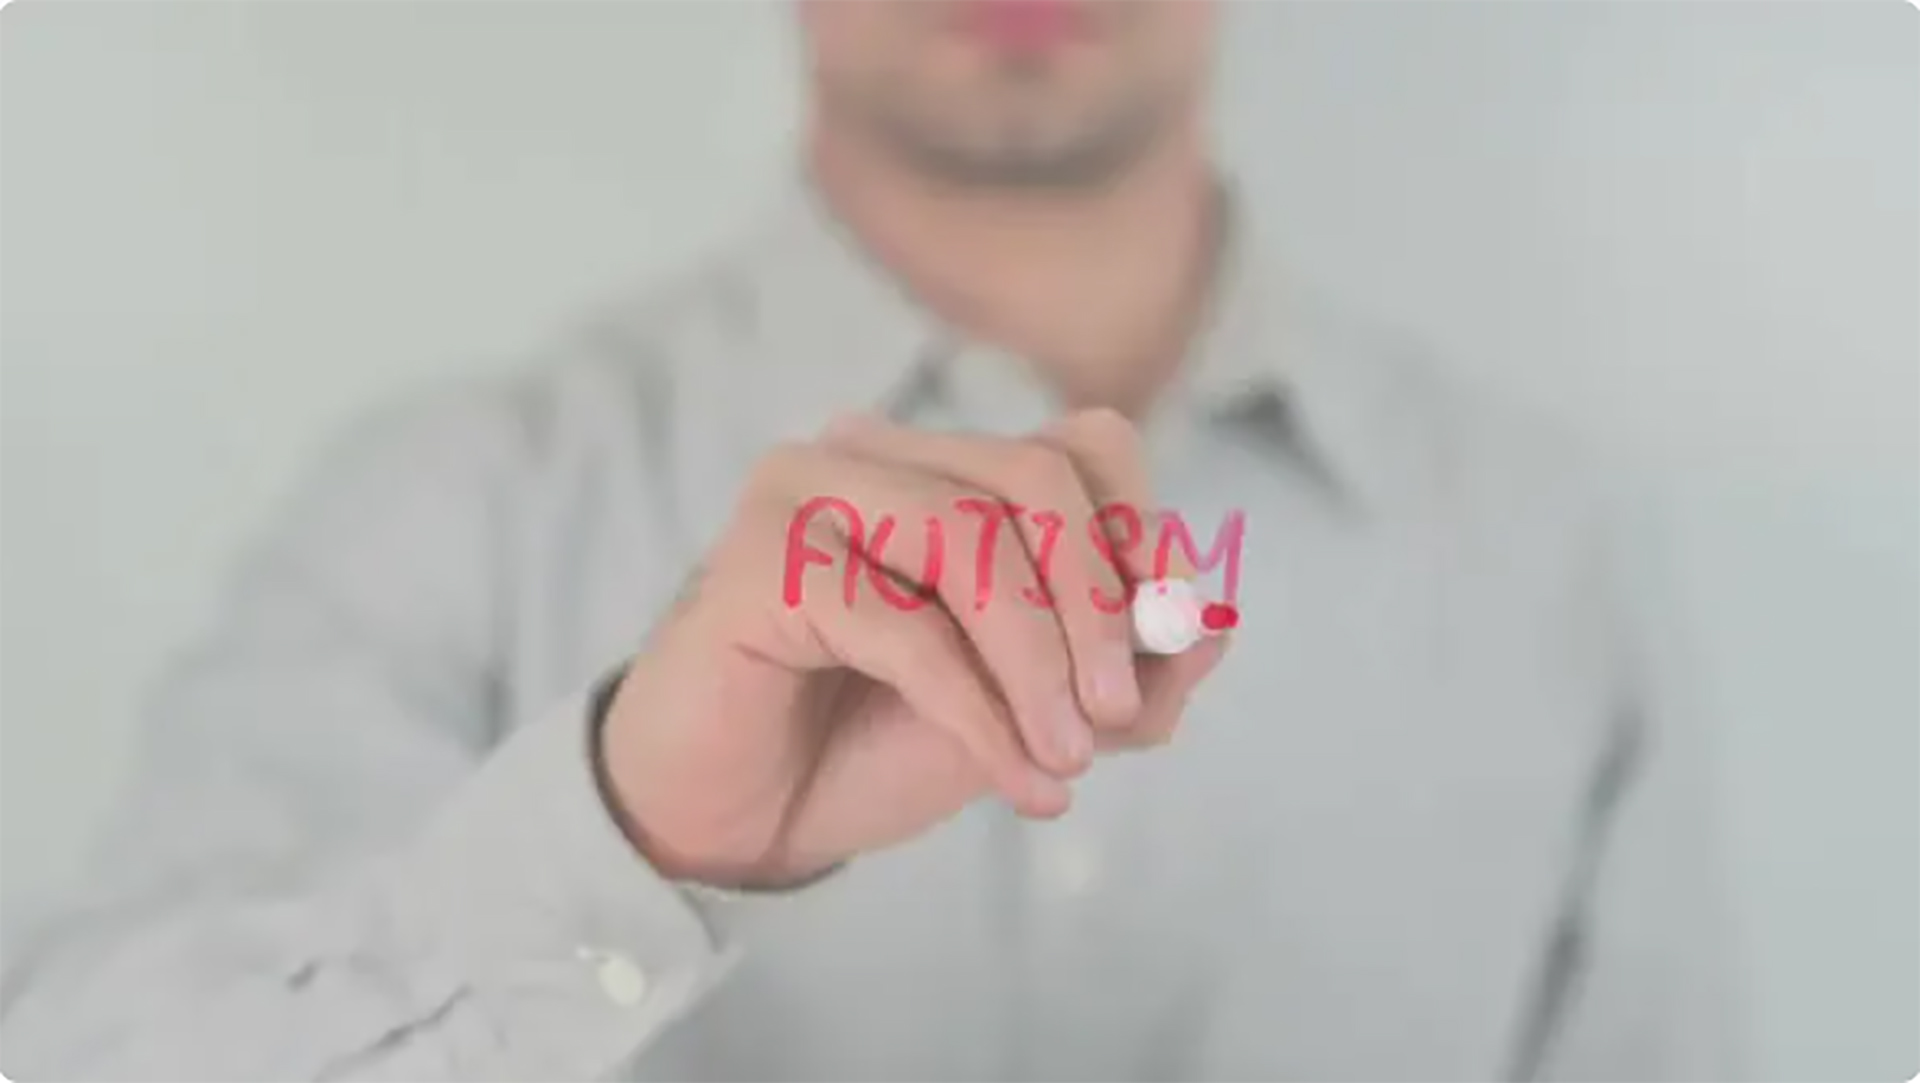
x: 620, y: 978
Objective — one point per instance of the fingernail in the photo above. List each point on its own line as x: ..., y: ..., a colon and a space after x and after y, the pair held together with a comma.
x: 1072, y: 736
x: 1049, y: 793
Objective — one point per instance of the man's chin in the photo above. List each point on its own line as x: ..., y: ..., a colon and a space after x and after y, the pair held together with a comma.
x: 1024, y: 159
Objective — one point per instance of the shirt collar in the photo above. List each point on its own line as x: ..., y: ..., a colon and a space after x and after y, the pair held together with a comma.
x: 1270, y: 351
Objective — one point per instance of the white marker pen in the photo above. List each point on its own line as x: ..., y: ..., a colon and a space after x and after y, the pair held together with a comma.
x: 1169, y: 617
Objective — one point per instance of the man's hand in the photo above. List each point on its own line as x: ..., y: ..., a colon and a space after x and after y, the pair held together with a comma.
x: 758, y: 742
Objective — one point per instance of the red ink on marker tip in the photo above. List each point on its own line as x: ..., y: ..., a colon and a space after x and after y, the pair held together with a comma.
x: 1219, y: 617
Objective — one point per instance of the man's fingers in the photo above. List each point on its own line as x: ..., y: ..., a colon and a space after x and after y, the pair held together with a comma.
x: 1099, y: 485
x: 898, y: 521
x: 1044, y: 500
x: 924, y: 658
x: 1168, y: 683
x: 1107, y: 450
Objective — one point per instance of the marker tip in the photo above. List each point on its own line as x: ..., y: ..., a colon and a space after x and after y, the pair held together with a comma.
x: 1219, y: 617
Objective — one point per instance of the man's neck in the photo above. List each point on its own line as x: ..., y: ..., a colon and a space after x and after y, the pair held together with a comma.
x: 1099, y: 288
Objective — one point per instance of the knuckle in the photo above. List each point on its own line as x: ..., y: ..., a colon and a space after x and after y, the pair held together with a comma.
x: 1033, y: 465
x: 1105, y: 429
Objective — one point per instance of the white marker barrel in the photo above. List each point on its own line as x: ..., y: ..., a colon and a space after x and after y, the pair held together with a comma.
x: 1169, y: 617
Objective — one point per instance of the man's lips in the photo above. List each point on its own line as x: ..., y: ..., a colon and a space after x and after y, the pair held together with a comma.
x: 1025, y: 25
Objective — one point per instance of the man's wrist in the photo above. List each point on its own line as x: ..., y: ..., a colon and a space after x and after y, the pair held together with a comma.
x: 600, y: 713
x: 686, y: 874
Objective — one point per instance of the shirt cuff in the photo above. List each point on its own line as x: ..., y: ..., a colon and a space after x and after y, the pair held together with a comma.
x: 525, y: 898
x: 734, y: 914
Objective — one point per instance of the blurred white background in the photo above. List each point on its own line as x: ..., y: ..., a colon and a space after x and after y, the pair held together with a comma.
x: 1690, y: 230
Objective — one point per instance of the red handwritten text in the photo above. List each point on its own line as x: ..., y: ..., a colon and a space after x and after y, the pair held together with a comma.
x: 1116, y: 531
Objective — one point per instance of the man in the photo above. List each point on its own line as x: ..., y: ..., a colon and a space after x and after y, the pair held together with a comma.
x: 514, y: 755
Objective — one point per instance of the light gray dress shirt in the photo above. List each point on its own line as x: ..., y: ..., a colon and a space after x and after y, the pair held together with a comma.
x: 1426, y: 822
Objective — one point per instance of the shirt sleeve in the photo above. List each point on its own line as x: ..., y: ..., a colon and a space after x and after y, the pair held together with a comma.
x: 1640, y: 983
x: 336, y: 858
